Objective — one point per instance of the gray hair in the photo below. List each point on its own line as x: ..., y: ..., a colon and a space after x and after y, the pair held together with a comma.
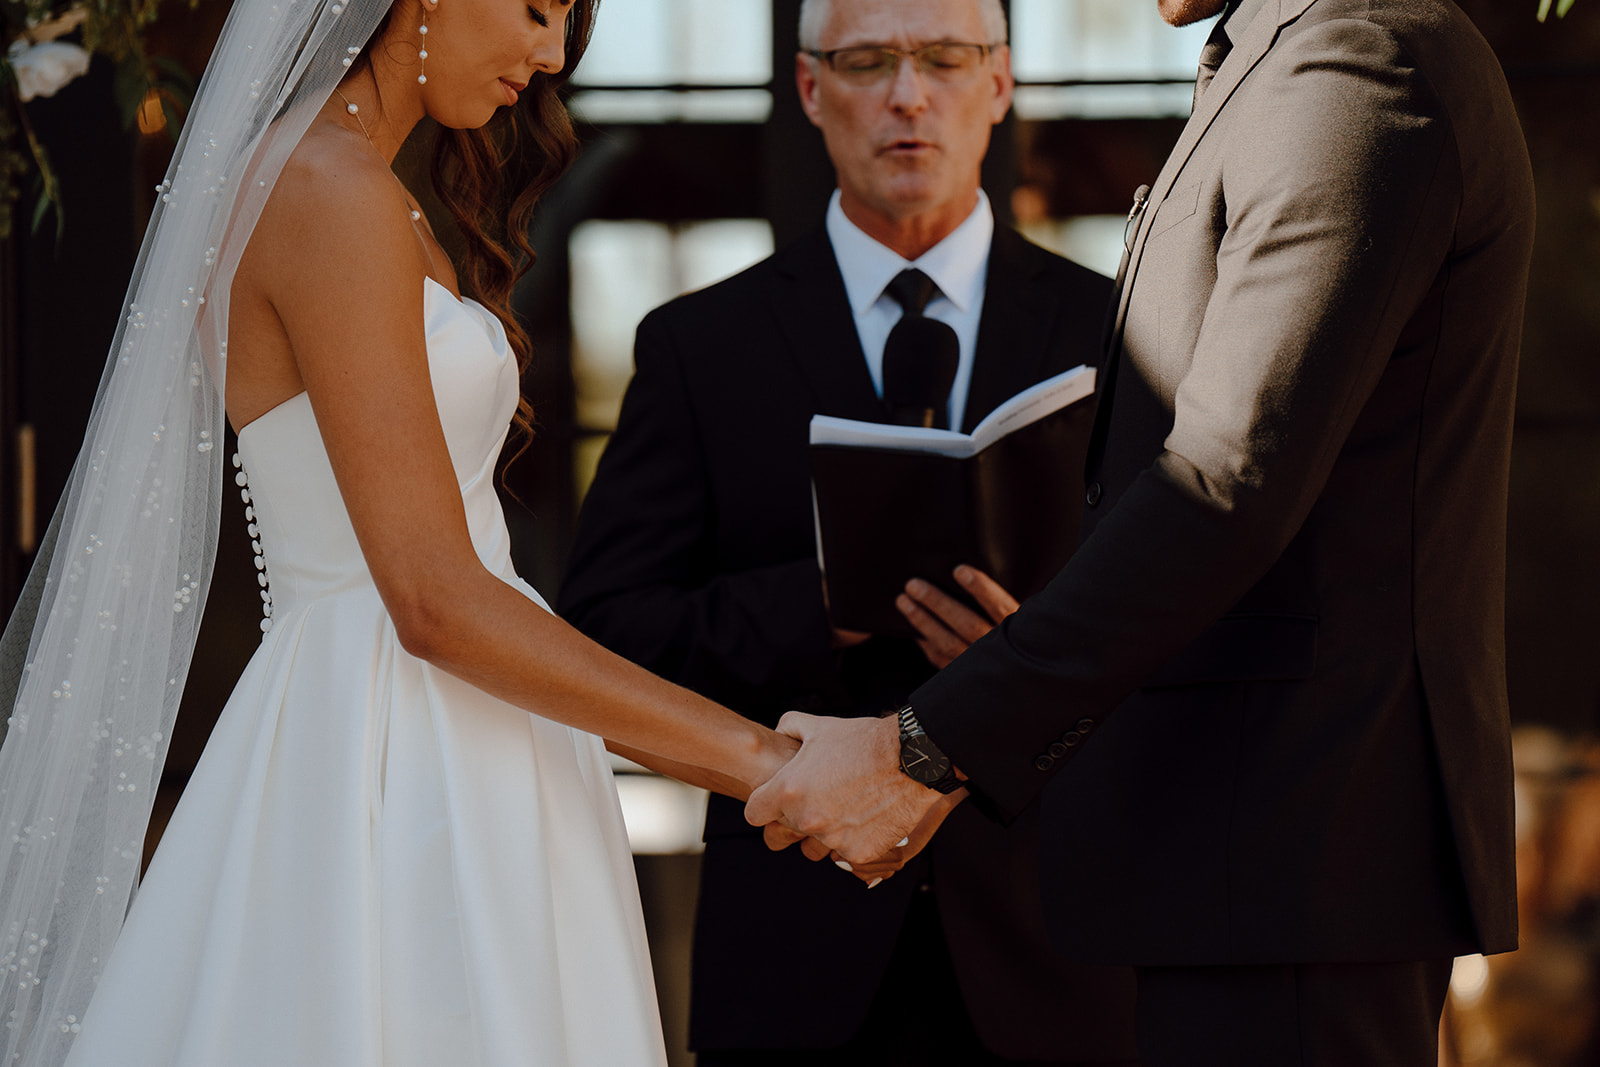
x: 814, y: 16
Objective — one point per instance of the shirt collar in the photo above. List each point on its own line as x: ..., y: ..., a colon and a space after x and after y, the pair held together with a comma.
x: 958, y: 264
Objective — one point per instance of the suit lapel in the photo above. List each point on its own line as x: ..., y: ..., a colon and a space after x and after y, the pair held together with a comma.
x: 1011, y: 348
x: 819, y: 330
x: 1255, y: 38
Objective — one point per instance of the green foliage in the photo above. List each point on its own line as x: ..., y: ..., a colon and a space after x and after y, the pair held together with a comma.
x: 113, y: 29
x: 1561, y: 6
x: 14, y: 166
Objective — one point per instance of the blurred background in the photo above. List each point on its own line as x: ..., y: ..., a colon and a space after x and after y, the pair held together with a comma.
x: 697, y: 162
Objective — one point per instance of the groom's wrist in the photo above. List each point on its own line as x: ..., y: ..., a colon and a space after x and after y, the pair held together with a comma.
x: 923, y: 761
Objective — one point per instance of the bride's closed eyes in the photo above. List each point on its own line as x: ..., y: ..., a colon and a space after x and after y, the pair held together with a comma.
x: 541, y: 17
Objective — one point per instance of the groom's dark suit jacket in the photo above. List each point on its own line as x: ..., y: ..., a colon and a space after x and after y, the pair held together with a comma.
x: 1267, y: 693
x: 696, y: 557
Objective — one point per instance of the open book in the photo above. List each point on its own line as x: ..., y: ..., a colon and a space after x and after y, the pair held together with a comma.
x: 897, y: 502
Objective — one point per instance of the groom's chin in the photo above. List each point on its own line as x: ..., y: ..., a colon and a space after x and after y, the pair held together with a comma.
x: 1185, y: 12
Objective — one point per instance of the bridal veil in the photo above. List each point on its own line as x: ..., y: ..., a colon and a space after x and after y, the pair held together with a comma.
x: 93, y: 661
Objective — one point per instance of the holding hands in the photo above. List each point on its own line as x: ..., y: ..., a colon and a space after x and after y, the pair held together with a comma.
x: 844, y: 790
x: 844, y: 795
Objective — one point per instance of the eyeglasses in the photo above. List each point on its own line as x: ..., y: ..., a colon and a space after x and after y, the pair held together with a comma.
x: 945, y: 62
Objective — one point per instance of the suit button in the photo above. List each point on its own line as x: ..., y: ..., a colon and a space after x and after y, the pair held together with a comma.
x: 1092, y: 497
x: 1071, y: 738
x: 1084, y: 726
x: 1058, y: 750
x: 1043, y: 763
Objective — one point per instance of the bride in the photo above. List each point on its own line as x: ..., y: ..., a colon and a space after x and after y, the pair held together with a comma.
x: 402, y: 844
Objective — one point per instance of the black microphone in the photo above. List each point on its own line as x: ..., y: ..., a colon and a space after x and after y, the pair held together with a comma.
x: 919, y: 366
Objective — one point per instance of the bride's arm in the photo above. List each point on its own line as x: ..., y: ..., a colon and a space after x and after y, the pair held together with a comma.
x: 683, y: 772
x: 337, y: 259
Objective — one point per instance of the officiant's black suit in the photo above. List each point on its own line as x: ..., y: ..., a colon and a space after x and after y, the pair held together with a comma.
x: 696, y: 557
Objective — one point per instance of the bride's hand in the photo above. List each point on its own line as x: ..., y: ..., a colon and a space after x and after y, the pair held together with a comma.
x: 886, y: 865
x: 776, y: 751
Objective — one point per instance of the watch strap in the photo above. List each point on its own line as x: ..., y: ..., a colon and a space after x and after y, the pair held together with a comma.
x: 946, y: 783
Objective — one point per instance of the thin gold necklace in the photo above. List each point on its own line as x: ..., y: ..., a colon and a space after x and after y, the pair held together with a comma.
x: 416, y: 215
x: 348, y: 106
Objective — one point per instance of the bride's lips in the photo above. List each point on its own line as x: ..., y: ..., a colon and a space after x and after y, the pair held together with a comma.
x: 512, y: 89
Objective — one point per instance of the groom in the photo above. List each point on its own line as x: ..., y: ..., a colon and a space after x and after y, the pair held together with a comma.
x: 1264, y: 703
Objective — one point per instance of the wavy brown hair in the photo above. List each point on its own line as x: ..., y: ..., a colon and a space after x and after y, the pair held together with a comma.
x: 534, y: 140
x: 491, y: 178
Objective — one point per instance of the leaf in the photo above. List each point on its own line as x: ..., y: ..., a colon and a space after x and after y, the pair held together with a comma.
x: 129, y: 87
x: 178, y: 74
x: 47, y: 196
x: 177, y: 81
x: 1563, y: 8
x: 173, y: 113
x: 48, y: 189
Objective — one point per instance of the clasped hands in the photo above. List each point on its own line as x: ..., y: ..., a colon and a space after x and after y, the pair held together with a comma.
x: 843, y: 796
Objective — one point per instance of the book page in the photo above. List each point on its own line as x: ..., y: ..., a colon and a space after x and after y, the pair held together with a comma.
x: 1033, y: 404
x: 829, y: 430
x: 1028, y: 406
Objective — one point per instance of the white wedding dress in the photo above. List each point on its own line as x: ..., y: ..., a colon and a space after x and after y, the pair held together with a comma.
x: 376, y: 864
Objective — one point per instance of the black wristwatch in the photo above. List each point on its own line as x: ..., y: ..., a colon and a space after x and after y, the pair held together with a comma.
x: 921, y: 759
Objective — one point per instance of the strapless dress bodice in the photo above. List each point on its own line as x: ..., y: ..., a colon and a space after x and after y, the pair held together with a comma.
x: 305, y: 545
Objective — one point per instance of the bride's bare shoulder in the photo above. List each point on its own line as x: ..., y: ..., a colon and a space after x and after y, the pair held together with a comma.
x: 336, y: 207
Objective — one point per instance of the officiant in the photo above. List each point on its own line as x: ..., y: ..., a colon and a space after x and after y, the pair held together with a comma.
x: 695, y: 556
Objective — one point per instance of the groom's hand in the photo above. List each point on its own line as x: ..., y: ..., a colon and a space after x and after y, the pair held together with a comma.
x: 844, y: 789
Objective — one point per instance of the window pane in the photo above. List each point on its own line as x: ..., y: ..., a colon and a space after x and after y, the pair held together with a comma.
x: 1067, y: 40
x: 1147, y: 101
x: 667, y: 42
x: 1093, y: 240
x: 622, y: 270
x: 664, y: 817
x: 602, y: 106
x: 708, y: 252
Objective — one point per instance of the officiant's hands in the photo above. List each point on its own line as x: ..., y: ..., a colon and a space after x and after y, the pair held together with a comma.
x: 844, y: 790
x: 947, y: 626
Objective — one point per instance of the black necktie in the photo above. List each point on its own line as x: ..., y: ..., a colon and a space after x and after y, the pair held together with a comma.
x: 1211, y: 56
x: 920, y: 357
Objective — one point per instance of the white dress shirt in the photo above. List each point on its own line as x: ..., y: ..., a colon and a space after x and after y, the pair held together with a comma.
x: 958, y: 265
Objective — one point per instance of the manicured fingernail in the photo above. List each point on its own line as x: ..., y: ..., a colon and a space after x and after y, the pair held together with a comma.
x: 964, y: 574
x: 916, y: 586
x: 904, y: 841
x: 904, y: 603
x: 842, y: 865
x: 874, y: 883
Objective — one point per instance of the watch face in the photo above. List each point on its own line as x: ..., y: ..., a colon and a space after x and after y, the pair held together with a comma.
x: 922, y: 760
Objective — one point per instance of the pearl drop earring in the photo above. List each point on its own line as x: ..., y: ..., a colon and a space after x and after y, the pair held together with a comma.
x: 422, y: 51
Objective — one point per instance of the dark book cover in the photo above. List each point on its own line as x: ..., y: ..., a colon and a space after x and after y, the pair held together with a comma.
x: 894, y: 503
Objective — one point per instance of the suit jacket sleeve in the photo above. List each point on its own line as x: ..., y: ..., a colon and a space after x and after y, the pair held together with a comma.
x: 1340, y: 199
x: 645, y: 579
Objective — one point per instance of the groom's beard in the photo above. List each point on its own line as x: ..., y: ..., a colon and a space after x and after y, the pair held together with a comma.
x: 1184, y: 12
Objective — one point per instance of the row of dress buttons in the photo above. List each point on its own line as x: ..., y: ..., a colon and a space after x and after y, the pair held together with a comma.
x: 1058, y: 750
x: 242, y: 480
